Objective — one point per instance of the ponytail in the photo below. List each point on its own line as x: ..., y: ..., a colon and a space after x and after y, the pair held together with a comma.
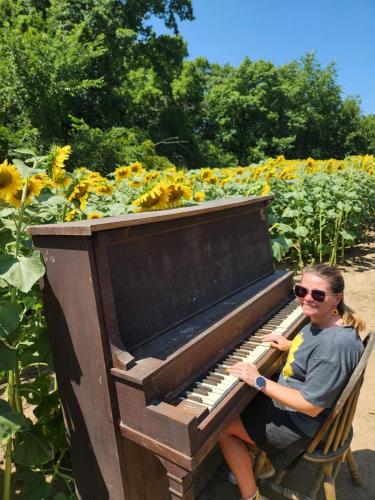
x: 351, y: 319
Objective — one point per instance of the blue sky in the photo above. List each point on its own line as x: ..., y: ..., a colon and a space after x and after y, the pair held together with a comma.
x: 340, y: 31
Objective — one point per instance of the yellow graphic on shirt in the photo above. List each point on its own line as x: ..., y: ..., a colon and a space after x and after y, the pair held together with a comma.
x: 297, y: 341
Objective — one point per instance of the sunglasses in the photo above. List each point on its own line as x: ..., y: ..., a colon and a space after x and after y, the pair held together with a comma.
x: 317, y: 295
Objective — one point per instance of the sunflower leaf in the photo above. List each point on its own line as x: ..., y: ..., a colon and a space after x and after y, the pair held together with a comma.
x: 10, y: 421
x: 23, y: 272
x: 5, y: 212
x: 26, y: 171
x: 10, y: 317
x: 25, y: 151
x: 32, y: 448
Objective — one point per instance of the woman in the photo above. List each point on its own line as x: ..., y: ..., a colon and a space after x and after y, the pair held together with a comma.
x: 286, y: 414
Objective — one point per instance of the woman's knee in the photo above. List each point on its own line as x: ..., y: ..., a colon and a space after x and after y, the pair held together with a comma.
x: 234, y: 427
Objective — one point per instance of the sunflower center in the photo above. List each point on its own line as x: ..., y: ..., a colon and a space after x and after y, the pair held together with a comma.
x: 5, y: 179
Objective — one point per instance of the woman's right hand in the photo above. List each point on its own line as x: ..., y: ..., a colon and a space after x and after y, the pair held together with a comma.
x: 277, y: 341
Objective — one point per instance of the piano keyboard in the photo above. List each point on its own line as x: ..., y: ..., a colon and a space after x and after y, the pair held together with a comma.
x: 211, y: 388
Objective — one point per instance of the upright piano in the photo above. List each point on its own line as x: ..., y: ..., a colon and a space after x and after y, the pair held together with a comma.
x: 146, y: 312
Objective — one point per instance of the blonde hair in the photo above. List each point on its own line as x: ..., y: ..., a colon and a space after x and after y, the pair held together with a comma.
x: 336, y: 282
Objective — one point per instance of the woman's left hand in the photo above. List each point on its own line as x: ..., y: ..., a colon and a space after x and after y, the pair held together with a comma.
x: 246, y: 372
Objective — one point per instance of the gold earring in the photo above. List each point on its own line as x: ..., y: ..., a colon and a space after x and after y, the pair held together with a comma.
x: 335, y: 311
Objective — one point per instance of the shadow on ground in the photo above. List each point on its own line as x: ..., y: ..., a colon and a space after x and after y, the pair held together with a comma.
x: 301, y: 478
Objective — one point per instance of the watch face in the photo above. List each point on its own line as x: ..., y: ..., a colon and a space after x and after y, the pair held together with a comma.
x: 260, y: 382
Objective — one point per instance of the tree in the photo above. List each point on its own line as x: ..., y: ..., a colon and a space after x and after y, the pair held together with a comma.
x: 97, y: 60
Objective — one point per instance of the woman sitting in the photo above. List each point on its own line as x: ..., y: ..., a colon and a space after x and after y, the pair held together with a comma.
x: 286, y: 414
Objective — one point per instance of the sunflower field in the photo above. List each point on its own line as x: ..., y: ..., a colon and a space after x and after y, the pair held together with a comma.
x: 320, y: 209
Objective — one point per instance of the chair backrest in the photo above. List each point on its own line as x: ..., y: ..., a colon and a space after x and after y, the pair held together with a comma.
x: 337, y: 425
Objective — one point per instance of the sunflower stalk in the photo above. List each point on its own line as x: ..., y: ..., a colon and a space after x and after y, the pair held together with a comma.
x: 14, y: 397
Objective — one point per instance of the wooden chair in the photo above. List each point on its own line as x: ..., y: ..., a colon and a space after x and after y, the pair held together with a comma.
x: 331, y: 445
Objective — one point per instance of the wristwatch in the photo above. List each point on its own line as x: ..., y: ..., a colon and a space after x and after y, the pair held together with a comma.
x: 260, y: 382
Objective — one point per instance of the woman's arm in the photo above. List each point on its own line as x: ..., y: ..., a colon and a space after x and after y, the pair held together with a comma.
x: 292, y: 398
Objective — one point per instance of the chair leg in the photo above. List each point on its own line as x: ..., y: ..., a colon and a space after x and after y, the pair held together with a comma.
x: 356, y: 478
x: 259, y: 463
x: 336, y: 468
x: 317, y: 483
x: 329, y: 483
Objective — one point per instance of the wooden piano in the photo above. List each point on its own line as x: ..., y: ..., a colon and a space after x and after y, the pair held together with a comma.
x: 145, y: 313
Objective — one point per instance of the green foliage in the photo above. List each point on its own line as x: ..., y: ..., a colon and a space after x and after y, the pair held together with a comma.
x: 102, y: 149
x: 101, y: 62
x: 25, y: 349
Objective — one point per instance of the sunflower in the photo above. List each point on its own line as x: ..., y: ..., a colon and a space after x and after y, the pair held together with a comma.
x: 199, y: 196
x: 155, y: 199
x: 60, y: 155
x: 71, y: 215
x: 136, y: 167
x: 151, y: 176
x: 94, y: 215
x: 176, y: 194
x: 10, y: 181
x: 80, y: 193
x: 104, y: 189
x: 34, y: 187
x: 122, y: 173
x: 266, y: 189
x: 135, y: 184
x: 47, y: 182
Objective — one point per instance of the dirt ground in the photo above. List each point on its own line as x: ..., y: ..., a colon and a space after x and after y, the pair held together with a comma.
x: 359, y: 274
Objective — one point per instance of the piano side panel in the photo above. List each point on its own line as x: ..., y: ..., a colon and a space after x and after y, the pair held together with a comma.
x: 175, y: 271
x: 80, y: 352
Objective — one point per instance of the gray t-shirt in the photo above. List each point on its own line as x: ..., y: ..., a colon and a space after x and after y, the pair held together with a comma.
x: 319, y: 364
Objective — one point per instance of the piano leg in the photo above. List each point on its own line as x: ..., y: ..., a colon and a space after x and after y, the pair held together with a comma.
x: 180, y: 480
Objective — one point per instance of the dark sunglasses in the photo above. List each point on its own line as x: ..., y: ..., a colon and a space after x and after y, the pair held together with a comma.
x: 317, y: 295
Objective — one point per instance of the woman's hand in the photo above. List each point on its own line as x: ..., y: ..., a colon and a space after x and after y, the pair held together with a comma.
x: 246, y: 372
x: 277, y: 341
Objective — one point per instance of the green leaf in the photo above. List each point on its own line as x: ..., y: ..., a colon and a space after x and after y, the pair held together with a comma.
x: 21, y: 273
x: 32, y: 448
x: 10, y: 317
x: 7, y: 356
x: 340, y: 205
x: 6, y: 237
x: 280, y: 247
x: 25, y: 151
x: 33, y: 485
x: 10, y: 421
x: 36, y: 350
x: 347, y: 236
x: 10, y: 224
x: 5, y: 212
x: 289, y: 212
x: 26, y: 171
x: 53, y: 200
x: 301, y: 231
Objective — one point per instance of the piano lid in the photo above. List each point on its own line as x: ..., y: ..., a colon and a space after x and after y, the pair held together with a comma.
x: 88, y: 227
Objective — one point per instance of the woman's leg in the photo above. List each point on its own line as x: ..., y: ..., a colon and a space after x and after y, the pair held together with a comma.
x: 234, y: 449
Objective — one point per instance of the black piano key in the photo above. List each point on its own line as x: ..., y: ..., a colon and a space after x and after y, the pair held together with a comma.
x: 212, y: 380
x: 197, y: 390
x: 194, y: 398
